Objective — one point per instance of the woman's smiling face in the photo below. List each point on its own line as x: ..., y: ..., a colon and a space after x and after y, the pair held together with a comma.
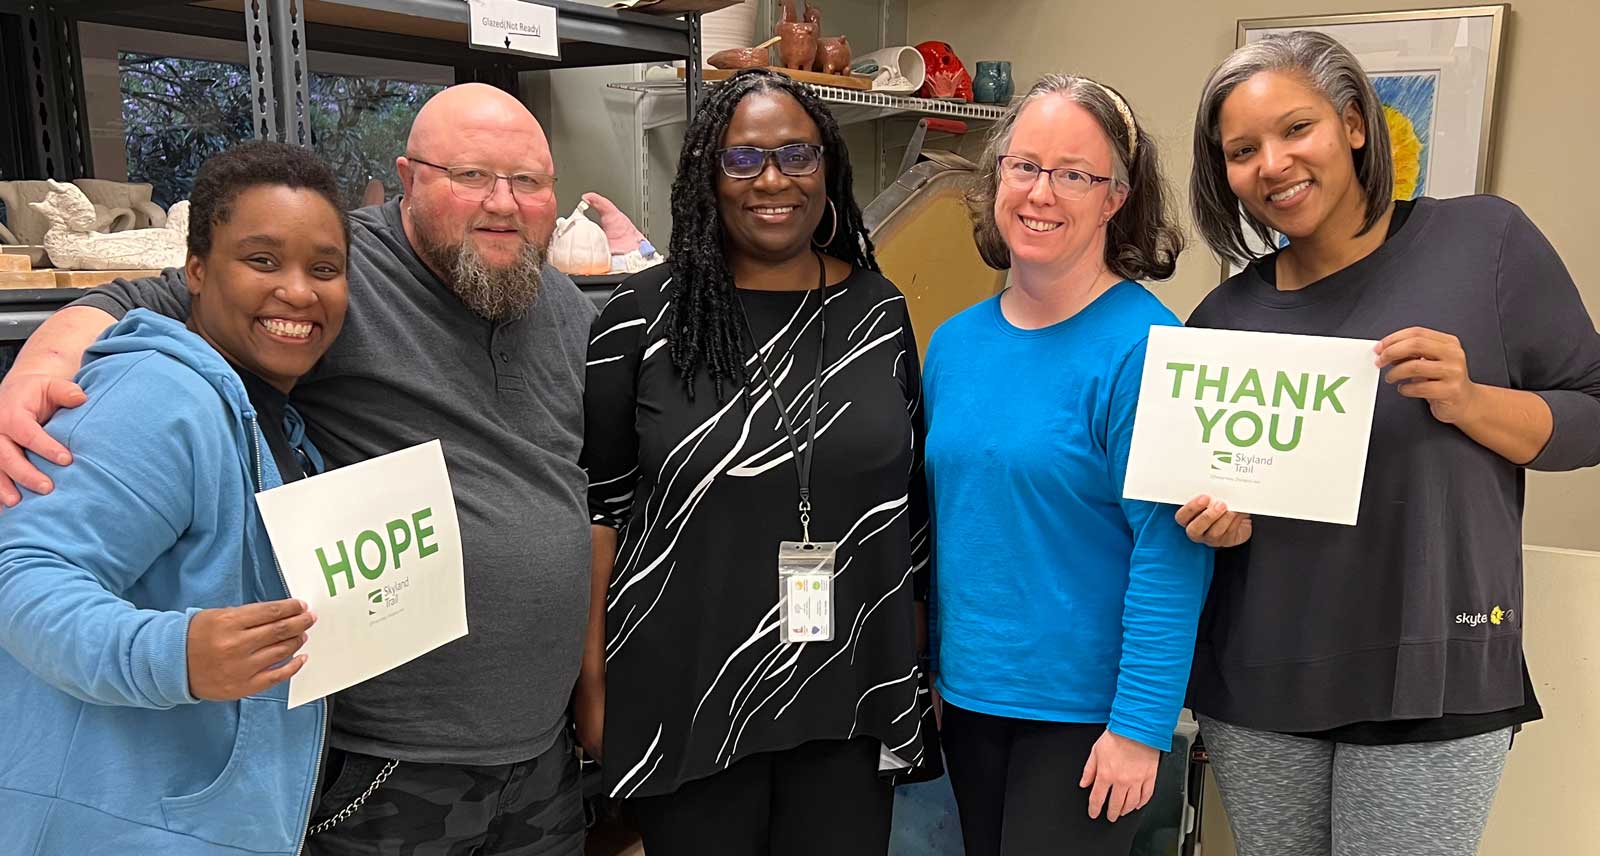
x: 271, y: 293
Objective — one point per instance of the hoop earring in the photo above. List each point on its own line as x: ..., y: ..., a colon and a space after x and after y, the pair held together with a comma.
x: 832, y: 233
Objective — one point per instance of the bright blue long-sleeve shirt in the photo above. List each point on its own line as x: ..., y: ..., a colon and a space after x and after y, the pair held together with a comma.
x: 1058, y: 600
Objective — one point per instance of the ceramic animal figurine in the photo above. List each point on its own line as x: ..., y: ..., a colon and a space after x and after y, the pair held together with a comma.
x: 798, y: 48
x: 72, y: 243
x: 833, y: 55
x: 737, y: 58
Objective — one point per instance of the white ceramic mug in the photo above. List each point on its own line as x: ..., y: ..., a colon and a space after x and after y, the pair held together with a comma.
x: 904, y: 60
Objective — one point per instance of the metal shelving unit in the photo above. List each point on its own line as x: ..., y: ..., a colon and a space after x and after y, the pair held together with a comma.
x: 276, y: 37
x: 849, y: 105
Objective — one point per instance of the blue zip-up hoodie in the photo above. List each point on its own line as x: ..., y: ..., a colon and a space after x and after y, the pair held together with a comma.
x: 102, y: 748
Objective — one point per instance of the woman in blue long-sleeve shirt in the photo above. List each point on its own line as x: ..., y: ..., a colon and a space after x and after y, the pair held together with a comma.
x: 1067, y: 614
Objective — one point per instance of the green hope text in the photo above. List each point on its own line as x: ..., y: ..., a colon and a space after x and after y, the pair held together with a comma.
x: 1245, y: 428
x: 373, y: 552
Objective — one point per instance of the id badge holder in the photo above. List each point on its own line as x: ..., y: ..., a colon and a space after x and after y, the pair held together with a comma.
x: 805, y: 578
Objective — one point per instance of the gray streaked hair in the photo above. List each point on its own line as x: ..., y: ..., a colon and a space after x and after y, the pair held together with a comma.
x: 1142, y: 241
x: 1328, y: 67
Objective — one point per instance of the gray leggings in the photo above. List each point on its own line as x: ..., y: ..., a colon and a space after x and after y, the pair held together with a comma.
x: 1291, y: 796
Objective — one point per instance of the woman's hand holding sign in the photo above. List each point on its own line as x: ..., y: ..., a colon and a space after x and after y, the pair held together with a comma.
x: 1212, y: 524
x: 239, y: 651
x: 1432, y: 366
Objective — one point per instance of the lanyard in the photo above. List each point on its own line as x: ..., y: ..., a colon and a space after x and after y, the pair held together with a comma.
x: 802, y: 468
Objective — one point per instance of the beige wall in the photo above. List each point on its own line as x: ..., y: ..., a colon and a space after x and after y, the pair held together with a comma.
x: 1158, y: 53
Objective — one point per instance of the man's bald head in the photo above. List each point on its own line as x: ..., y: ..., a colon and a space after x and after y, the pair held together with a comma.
x: 463, y: 119
x: 487, y: 244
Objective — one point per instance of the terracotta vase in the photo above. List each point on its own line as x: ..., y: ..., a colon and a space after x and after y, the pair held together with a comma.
x: 833, y: 55
x: 798, y: 50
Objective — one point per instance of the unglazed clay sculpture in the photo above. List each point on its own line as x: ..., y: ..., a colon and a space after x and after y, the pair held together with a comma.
x: 71, y: 241
x: 798, y: 48
x: 733, y: 59
x: 833, y: 55
x: 737, y: 58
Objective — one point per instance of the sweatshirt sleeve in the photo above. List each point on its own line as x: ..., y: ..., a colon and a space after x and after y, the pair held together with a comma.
x: 68, y: 557
x: 1551, y: 345
x: 1167, y: 579
x: 165, y: 294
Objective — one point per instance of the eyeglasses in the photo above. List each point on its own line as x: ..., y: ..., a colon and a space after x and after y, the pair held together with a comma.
x: 475, y: 183
x: 1022, y: 174
x: 794, y: 159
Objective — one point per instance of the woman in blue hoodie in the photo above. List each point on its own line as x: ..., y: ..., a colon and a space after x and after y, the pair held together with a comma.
x: 146, y: 637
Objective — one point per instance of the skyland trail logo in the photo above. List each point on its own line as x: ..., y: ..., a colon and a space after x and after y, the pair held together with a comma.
x: 1239, y: 466
x: 384, y: 603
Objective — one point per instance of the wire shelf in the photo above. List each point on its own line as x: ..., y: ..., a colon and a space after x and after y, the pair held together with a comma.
x: 850, y: 105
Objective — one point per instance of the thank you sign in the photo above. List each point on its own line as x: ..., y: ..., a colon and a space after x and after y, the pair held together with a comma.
x: 1268, y: 423
x: 513, y: 26
x: 375, y: 549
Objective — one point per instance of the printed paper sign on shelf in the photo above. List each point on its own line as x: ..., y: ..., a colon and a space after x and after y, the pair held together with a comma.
x: 375, y: 549
x: 513, y: 26
x: 1269, y: 423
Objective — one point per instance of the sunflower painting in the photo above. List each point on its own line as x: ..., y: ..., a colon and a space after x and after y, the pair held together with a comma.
x: 1409, y: 99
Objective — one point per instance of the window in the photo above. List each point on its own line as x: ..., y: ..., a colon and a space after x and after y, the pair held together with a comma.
x: 177, y: 111
x: 159, y: 104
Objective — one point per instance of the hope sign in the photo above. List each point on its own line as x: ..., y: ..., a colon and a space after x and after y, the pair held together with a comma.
x: 1245, y: 428
x: 374, y: 552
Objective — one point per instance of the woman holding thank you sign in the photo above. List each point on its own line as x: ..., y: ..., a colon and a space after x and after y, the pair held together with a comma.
x: 1357, y: 686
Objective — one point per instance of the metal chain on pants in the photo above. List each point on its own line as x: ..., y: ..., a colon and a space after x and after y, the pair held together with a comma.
x: 356, y: 804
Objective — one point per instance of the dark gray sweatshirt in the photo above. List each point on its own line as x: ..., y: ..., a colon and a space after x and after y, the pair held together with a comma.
x: 414, y: 364
x: 1415, y: 612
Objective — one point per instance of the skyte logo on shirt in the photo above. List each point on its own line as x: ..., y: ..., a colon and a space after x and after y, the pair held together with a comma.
x: 1495, y: 616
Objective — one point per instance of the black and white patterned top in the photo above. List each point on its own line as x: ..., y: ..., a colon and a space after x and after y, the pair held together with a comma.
x: 702, y: 492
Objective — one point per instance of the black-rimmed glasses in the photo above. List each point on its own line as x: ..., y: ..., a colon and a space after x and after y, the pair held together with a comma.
x: 794, y: 159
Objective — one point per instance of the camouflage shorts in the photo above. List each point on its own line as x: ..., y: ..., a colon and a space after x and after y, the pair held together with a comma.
x: 532, y: 808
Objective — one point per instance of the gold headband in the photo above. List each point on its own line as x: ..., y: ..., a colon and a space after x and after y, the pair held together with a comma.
x: 1127, y: 118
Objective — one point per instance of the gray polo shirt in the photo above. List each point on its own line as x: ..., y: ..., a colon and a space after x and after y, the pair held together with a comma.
x: 414, y: 364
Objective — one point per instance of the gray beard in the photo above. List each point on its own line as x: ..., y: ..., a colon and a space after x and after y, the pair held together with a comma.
x: 496, y: 294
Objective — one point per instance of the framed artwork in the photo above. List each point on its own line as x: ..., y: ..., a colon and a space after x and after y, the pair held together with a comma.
x: 1435, y: 71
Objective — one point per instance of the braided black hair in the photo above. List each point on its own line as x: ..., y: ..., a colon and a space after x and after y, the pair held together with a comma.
x: 703, y: 318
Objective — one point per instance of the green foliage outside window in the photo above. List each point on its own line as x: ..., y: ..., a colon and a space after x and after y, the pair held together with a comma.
x: 176, y: 112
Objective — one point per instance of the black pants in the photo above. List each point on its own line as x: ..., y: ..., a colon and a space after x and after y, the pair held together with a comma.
x: 823, y: 797
x: 1016, y: 786
x: 532, y: 808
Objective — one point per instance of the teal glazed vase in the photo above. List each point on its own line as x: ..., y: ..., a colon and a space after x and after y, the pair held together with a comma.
x: 992, y: 84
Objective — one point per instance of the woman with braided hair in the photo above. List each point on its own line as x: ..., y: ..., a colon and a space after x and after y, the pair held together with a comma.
x: 753, y: 439
x: 1066, y: 613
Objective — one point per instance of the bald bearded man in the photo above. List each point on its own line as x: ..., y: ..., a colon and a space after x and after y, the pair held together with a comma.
x: 456, y: 330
